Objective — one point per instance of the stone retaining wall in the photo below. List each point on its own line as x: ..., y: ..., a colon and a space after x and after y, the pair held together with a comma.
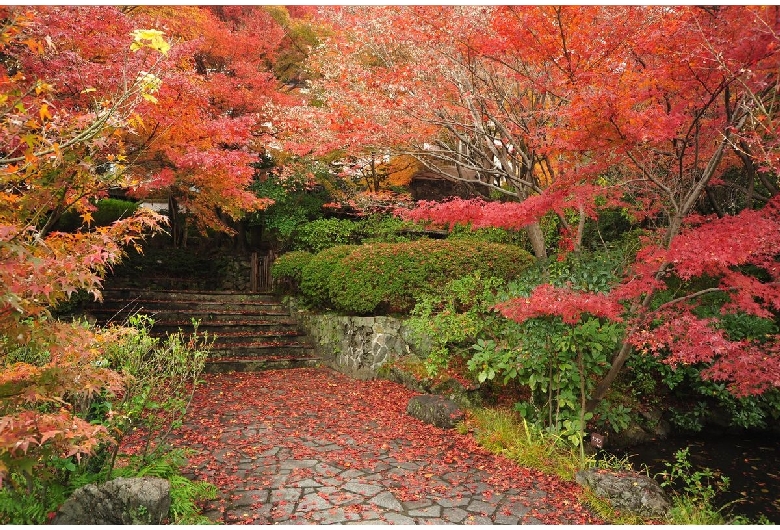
x: 235, y: 274
x: 357, y: 346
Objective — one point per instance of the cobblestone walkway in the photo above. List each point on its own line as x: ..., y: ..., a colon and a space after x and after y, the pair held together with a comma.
x: 311, y: 446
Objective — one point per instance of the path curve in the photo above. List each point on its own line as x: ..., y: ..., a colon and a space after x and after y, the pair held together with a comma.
x: 312, y: 446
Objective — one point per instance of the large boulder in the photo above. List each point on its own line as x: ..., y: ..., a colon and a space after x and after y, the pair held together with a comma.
x: 437, y: 410
x: 142, y: 500
x: 627, y: 491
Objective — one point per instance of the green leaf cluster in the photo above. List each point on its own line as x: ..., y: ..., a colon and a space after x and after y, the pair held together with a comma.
x: 288, y: 268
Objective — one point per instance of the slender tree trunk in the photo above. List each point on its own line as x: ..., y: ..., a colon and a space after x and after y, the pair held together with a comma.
x: 173, y: 217
x: 536, y: 237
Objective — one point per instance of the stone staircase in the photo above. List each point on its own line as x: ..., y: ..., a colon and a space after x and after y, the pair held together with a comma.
x: 252, y: 332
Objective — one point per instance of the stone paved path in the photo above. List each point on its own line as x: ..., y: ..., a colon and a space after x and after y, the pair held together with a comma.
x: 311, y: 446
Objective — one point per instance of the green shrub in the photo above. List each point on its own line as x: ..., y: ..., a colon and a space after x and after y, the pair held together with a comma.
x: 288, y: 267
x: 316, y: 273
x: 384, y: 229
x: 388, y: 277
x: 321, y: 234
x: 110, y: 210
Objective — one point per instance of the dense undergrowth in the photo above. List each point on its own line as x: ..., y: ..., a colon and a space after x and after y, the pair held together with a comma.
x: 557, y: 364
x: 159, y: 380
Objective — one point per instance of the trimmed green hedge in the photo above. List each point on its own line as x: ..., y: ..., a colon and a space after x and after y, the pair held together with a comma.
x: 387, y: 277
x: 108, y: 211
x: 316, y: 274
x: 288, y: 267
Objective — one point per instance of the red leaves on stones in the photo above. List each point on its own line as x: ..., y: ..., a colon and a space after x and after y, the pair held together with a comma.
x: 254, y: 421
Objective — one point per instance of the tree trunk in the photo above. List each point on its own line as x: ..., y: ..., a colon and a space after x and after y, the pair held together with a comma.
x: 536, y: 237
x: 173, y: 217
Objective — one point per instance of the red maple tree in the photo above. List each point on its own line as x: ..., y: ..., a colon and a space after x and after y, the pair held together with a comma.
x: 574, y: 109
x: 61, y: 151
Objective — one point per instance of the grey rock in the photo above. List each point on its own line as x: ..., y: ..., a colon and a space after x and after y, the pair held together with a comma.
x: 142, y: 500
x: 627, y: 491
x: 436, y: 410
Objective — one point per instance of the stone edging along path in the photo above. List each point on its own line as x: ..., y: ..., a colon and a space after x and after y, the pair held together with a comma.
x: 312, y: 446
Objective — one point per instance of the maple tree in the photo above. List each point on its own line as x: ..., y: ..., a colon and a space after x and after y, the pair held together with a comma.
x: 661, y: 119
x: 195, y: 147
x: 61, y: 151
x: 555, y: 106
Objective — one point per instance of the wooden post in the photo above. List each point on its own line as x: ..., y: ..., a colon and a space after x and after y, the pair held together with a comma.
x: 253, y: 270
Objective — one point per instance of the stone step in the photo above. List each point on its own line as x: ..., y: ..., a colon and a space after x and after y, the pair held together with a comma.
x: 261, y: 350
x: 246, y: 331
x: 149, y: 305
x: 227, y: 327
x: 184, y: 317
x: 257, y: 365
x: 195, y: 295
x: 228, y: 338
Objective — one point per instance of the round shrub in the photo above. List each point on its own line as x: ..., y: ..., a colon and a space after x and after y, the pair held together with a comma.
x: 287, y: 268
x: 385, y: 277
x: 317, y: 272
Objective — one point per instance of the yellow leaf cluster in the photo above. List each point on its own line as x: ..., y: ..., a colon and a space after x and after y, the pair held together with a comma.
x: 149, y: 38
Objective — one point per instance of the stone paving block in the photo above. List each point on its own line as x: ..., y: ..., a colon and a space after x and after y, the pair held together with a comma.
x: 514, y: 507
x: 305, y: 483
x: 506, y: 519
x: 297, y: 520
x: 285, y: 494
x: 477, y: 520
x: 362, y: 488
x: 387, y: 500
x: 380, y: 466
x: 313, y: 502
x: 454, y: 515
x: 250, y: 497
x: 478, y: 488
x: 242, y: 516
x: 456, y: 477
x: 530, y: 520
x: 346, y: 498
x: 280, y: 480
x: 432, y: 521
x: 430, y: 511
x: 298, y: 464
x: 397, y: 518
x: 369, y: 514
x: 352, y: 473
x: 334, y: 516
x: 416, y: 505
x: 213, y: 515
x: 327, y: 470
x: 456, y: 501
x: 328, y: 448
x: 331, y: 482
x: 481, y: 508
x: 491, y: 497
